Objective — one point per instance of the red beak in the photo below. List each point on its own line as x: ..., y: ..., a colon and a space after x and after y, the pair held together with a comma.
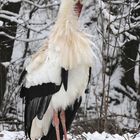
x: 78, y: 7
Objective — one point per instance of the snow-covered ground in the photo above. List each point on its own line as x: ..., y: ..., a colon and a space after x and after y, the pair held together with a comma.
x: 7, y: 135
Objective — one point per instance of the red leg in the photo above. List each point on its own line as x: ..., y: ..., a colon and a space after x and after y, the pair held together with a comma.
x: 63, y: 121
x: 56, y: 124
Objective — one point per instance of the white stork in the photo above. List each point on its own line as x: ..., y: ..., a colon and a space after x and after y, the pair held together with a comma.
x: 57, y: 77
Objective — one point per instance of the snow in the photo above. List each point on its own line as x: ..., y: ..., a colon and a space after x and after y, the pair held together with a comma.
x: 5, y: 64
x: 1, y: 23
x: 14, y: 1
x: 7, y: 135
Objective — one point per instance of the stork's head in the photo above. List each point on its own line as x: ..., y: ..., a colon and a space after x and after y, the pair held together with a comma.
x: 78, y: 6
x: 68, y: 6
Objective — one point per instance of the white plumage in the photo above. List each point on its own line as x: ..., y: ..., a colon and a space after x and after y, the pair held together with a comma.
x: 67, y: 48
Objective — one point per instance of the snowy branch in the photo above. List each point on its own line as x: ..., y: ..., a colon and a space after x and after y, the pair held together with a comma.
x: 41, y: 6
x: 11, y: 18
x: 33, y: 3
x: 22, y: 39
x: 9, y: 13
x: 119, y: 27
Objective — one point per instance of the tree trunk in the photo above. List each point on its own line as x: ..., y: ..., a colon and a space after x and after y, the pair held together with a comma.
x: 6, y: 44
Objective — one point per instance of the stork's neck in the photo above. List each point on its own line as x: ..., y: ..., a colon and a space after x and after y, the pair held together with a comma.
x: 70, y: 45
x: 66, y: 27
x: 67, y: 16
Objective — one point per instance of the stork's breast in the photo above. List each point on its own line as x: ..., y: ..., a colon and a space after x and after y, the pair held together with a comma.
x: 77, y: 83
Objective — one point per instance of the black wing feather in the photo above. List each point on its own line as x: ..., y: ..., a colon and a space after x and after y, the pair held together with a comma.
x: 43, y: 106
x: 36, y: 105
x: 64, y: 75
x: 31, y: 108
x: 39, y: 90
